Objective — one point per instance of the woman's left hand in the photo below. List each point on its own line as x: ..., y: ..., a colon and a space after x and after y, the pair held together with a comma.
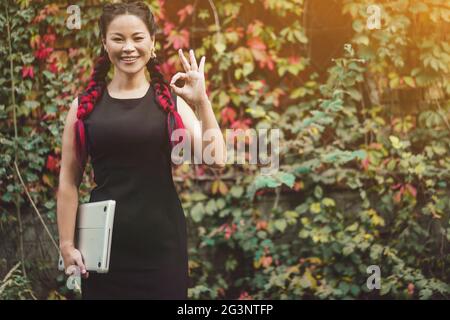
x: 193, y: 91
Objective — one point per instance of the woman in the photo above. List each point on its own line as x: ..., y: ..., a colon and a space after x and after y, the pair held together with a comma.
x: 125, y: 127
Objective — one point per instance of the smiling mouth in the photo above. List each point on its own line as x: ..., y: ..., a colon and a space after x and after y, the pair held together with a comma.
x: 129, y: 59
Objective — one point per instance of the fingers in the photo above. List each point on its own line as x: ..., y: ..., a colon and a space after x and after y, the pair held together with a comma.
x: 178, y: 91
x: 177, y: 76
x: 184, y: 61
x: 71, y: 269
x: 80, y: 264
x: 201, y: 68
x: 194, y: 66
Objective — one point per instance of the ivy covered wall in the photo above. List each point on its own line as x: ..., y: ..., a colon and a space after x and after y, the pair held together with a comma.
x: 364, y: 149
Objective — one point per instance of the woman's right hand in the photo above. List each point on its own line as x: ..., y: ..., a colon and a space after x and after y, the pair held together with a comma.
x: 72, y: 258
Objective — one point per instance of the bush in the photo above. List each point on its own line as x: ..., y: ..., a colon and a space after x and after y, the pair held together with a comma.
x: 364, y: 154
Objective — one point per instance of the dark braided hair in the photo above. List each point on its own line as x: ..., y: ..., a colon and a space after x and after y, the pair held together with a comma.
x: 97, y: 83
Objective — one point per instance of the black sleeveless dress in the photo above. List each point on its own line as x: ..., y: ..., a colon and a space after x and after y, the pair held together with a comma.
x: 128, y: 143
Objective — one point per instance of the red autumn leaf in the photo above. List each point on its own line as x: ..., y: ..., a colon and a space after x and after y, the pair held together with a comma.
x: 228, y: 115
x: 73, y: 52
x: 178, y: 40
x: 245, y: 296
x: 42, y: 53
x: 186, y: 11
x: 411, y: 288
x: 294, y: 59
x: 396, y: 186
x: 223, y: 226
x: 268, y: 61
x: 199, y: 171
x: 299, y: 185
x: 53, y: 68
x: 398, y: 195
x: 275, y: 94
x: 411, y: 190
x: 258, y: 49
x: 52, y: 163
x: 376, y: 146
x: 168, y: 27
x: 385, y: 161
x: 49, y: 39
x: 365, y: 163
x: 241, y: 124
x: 168, y: 69
x: 51, y: 116
x: 261, y: 225
x: 256, y: 44
x: 254, y: 27
x: 27, y: 71
x: 239, y: 31
x: 160, y: 14
x: 53, y: 63
x: 228, y: 232
x: 48, y: 10
x: 260, y: 192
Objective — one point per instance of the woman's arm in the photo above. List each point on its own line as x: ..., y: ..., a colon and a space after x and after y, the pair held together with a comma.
x: 197, y: 129
x: 70, y: 177
x: 192, y: 96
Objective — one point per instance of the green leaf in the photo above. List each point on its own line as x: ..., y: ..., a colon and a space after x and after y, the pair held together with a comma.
x: 280, y: 224
x: 315, y: 207
x: 394, y: 83
x: 211, y: 207
x: 287, y: 178
x: 352, y: 227
x: 303, y: 234
x: 197, y: 212
x: 220, y: 47
x: 362, y: 39
x: 355, y: 94
x: 341, y: 157
x: 425, y: 294
x: 197, y: 196
x: 409, y: 81
x: 358, y: 26
x: 396, y: 143
x: 220, y: 203
x: 355, y: 290
x: 348, y: 249
x: 237, y: 191
x: 328, y: 202
x: 344, y: 287
x: 247, y: 68
x: 385, y: 288
x: 318, y: 192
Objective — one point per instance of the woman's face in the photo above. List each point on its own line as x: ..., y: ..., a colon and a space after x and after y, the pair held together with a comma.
x: 128, y: 43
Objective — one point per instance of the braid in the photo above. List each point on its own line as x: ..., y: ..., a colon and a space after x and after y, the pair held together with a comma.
x: 164, y: 99
x: 87, y: 102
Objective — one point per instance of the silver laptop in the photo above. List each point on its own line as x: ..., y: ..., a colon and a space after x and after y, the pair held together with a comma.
x: 93, y: 235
